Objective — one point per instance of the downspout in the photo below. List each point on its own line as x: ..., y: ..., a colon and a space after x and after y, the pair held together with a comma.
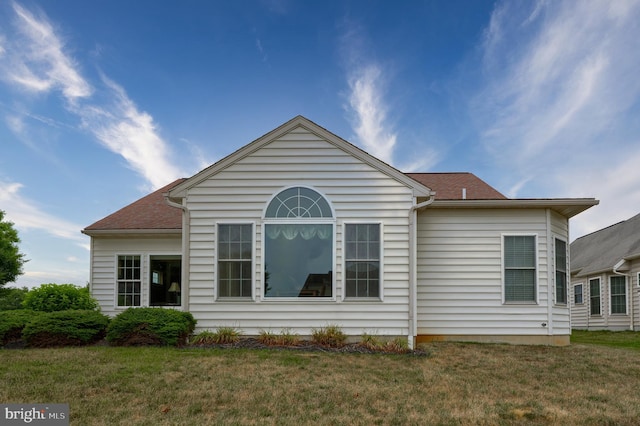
x: 551, y: 279
x: 186, y: 220
x: 413, y: 254
x: 628, y: 288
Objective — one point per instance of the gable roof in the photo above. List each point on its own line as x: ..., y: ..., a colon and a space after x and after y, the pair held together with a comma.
x: 451, y: 186
x: 419, y: 189
x: 148, y: 213
x: 600, y: 251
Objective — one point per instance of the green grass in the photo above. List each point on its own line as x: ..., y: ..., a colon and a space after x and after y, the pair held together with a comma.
x: 619, y: 339
x: 457, y: 384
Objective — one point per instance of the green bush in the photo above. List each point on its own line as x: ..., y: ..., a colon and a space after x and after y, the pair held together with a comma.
x: 13, y: 322
x: 11, y: 298
x: 65, y: 328
x: 59, y: 297
x: 150, y: 326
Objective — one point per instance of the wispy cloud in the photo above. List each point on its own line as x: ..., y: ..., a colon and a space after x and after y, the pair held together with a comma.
x: 27, y: 214
x: 367, y: 106
x: 559, y: 99
x: 36, y: 61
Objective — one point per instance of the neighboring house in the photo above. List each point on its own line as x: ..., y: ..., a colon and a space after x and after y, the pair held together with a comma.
x: 300, y: 229
x: 605, y: 278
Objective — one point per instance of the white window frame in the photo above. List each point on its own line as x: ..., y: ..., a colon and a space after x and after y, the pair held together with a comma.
x: 536, y: 279
x: 581, y: 285
x: 147, y: 279
x: 380, y: 261
x: 626, y: 296
x: 638, y: 279
x: 216, y: 276
x: 116, y: 305
x: 293, y: 221
x: 599, y: 314
x: 566, y: 271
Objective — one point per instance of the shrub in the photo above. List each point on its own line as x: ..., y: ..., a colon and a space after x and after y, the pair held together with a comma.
x: 331, y: 336
x: 13, y: 322
x: 371, y: 342
x: 150, y: 326
x: 59, y: 297
x: 65, y: 328
x: 285, y: 338
x: 221, y: 336
x: 11, y: 298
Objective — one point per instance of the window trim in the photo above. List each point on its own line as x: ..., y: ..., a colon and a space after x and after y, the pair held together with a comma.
x: 259, y: 295
x: 581, y: 285
x: 626, y: 296
x: 536, y: 279
x: 116, y: 305
x: 566, y: 271
x: 381, y: 262
x: 599, y: 314
x: 216, y: 276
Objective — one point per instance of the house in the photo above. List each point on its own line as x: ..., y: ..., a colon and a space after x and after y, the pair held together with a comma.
x: 605, y: 278
x: 300, y: 229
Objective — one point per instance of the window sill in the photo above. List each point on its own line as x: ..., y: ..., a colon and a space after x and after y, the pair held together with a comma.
x: 514, y: 303
x: 362, y: 300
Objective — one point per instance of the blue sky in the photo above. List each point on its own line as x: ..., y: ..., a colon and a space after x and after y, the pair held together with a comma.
x: 103, y: 101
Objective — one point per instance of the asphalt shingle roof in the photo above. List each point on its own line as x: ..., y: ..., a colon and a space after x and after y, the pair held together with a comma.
x: 601, y: 250
x: 153, y: 213
x: 150, y: 212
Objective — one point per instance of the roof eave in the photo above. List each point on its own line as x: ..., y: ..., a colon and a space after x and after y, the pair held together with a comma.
x: 567, y: 207
x: 131, y: 232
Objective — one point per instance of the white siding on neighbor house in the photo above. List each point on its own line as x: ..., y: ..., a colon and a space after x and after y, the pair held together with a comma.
x: 103, y: 271
x: 459, y: 262
x: 581, y: 315
x: 579, y: 312
x: 357, y: 192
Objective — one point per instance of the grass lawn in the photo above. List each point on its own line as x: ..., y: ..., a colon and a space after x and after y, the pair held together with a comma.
x: 468, y: 384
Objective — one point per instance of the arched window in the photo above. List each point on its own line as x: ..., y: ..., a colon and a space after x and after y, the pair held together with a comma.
x: 298, y: 258
x: 298, y: 202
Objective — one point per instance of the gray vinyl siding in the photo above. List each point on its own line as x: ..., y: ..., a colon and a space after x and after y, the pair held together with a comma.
x: 103, y: 271
x: 357, y: 192
x: 459, y: 278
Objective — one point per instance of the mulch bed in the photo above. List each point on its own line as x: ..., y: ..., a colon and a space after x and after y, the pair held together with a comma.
x: 253, y: 343
x: 306, y: 346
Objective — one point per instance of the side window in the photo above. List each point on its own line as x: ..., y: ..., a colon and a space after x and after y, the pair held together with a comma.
x: 362, y: 260
x: 235, y: 252
x: 129, y: 282
x: 594, y: 296
x: 561, y: 271
x: 618, y: 294
x: 577, y: 294
x: 520, y: 275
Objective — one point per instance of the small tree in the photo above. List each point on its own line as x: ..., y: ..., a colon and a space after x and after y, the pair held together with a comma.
x: 11, y: 298
x: 11, y: 260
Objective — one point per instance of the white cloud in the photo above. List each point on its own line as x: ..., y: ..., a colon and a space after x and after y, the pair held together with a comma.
x: 26, y: 214
x: 125, y: 130
x: 366, y: 102
x: 558, y: 105
x: 37, y: 62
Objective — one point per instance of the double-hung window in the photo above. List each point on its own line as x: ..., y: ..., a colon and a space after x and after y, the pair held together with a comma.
x: 520, y: 273
x: 235, y: 260
x: 129, y: 283
x: 561, y: 271
x: 618, y: 294
x: 594, y: 296
x: 362, y: 260
x: 577, y: 294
